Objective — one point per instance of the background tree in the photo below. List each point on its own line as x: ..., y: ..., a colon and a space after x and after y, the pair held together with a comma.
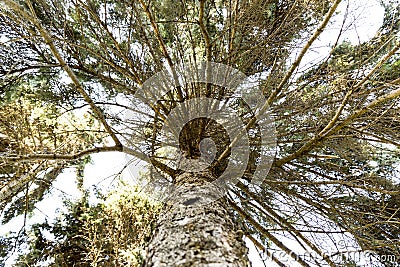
x: 113, y: 232
x: 335, y: 173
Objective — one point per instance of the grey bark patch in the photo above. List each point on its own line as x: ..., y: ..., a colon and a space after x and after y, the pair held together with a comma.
x: 191, y: 201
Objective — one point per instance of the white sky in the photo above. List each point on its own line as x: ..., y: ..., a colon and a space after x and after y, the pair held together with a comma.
x: 367, y: 15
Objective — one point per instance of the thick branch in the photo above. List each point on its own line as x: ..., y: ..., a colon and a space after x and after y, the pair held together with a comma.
x: 294, y: 66
x: 35, y: 157
x: 377, y: 66
x: 33, y: 19
x: 204, y: 30
x: 326, y: 132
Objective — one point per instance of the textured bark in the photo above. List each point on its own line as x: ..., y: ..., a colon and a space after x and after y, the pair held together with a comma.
x: 192, y: 234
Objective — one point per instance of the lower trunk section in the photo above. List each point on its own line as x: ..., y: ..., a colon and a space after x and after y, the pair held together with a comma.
x: 190, y: 234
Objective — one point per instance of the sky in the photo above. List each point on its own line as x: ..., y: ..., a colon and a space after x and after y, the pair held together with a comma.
x: 367, y: 15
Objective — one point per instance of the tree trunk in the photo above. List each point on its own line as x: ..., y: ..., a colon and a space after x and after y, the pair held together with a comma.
x: 191, y: 234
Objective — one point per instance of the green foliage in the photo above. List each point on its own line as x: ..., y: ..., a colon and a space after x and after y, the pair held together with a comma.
x: 36, y: 125
x: 113, y: 232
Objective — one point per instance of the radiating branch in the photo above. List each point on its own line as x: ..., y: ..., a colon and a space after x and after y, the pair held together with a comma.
x: 43, y: 32
x: 307, y: 147
x: 295, y: 64
x: 268, y: 235
x: 54, y: 156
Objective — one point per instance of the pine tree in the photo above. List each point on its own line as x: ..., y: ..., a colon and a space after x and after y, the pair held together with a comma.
x: 313, y: 155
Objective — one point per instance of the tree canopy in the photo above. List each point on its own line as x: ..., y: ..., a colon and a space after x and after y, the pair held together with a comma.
x: 71, y: 69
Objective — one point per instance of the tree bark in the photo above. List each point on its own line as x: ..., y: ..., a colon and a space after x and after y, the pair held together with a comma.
x: 190, y: 233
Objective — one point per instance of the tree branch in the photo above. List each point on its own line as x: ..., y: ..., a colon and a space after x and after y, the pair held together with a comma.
x: 204, y: 30
x: 272, y: 238
x: 45, y: 35
x: 162, y: 45
x: 283, y: 222
x: 294, y: 66
x: 307, y: 147
x: 35, y: 157
x: 283, y: 82
x: 117, y: 45
x: 264, y: 250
